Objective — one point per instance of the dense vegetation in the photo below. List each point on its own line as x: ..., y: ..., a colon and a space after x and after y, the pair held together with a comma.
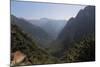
x: 21, y: 42
x: 81, y: 51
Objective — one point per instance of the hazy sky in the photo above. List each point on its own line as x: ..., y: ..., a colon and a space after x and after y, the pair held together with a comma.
x: 33, y: 10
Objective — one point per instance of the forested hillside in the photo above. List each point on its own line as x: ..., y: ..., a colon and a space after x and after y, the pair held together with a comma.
x: 76, y: 30
x: 81, y: 51
x: 20, y: 41
x: 41, y: 37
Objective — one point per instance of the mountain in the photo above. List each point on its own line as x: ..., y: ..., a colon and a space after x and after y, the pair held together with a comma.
x: 76, y: 29
x: 51, y: 26
x: 25, y: 51
x: 82, y: 25
x: 39, y: 35
x: 39, y: 22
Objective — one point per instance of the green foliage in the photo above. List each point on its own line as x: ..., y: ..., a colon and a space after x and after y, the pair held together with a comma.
x: 22, y: 42
x: 82, y: 51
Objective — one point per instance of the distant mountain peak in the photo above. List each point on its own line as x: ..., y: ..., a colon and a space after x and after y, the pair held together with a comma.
x: 44, y: 19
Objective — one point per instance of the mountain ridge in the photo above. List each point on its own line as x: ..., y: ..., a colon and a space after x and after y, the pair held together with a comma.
x: 38, y: 34
x: 76, y: 29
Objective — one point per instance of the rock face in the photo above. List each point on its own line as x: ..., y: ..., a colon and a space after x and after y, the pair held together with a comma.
x: 17, y: 57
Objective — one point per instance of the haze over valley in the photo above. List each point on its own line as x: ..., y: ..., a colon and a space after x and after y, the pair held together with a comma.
x: 47, y: 33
